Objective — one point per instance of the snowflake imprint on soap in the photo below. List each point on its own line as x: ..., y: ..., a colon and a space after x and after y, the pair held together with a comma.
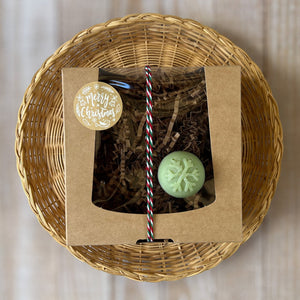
x: 182, y: 175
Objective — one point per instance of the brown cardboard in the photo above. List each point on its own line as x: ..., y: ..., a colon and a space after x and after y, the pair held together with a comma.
x: 221, y: 221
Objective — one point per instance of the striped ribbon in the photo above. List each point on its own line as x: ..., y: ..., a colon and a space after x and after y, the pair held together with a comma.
x: 149, y: 150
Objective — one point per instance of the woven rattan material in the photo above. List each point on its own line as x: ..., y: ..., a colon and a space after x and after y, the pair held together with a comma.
x: 138, y: 40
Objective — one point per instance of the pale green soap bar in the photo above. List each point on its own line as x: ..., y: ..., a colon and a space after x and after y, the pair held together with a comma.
x: 181, y: 174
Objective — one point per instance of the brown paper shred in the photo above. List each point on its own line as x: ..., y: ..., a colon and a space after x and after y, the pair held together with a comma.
x: 106, y: 191
x: 174, y: 140
x: 134, y: 200
x: 122, y: 165
x: 140, y: 130
x: 171, y: 124
x: 180, y: 122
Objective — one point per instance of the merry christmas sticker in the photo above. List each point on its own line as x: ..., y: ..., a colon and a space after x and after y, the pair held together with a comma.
x: 98, y: 106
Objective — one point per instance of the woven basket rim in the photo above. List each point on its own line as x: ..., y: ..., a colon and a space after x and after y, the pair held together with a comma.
x: 94, y: 30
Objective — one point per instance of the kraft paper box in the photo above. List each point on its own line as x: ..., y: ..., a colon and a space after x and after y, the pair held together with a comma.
x: 221, y: 221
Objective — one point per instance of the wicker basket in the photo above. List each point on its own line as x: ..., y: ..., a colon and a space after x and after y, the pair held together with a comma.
x: 137, y: 40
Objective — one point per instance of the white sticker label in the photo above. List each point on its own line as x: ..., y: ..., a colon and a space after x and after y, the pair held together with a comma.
x: 98, y: 106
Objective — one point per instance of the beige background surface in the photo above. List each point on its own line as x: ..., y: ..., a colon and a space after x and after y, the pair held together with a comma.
x: 33, y: 266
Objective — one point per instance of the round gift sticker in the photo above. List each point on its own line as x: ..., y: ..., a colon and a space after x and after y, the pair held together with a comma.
x: 98, y: 106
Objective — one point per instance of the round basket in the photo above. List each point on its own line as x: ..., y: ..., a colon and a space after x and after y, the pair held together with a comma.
x: 137, y: 40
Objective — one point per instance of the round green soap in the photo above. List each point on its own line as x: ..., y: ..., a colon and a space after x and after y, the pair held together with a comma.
x: 181, y: 174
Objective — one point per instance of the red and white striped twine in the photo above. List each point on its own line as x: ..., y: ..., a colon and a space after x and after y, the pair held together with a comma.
x: 149, y: 150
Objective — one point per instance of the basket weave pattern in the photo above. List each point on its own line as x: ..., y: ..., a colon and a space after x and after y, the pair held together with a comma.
x: 137, y: 40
